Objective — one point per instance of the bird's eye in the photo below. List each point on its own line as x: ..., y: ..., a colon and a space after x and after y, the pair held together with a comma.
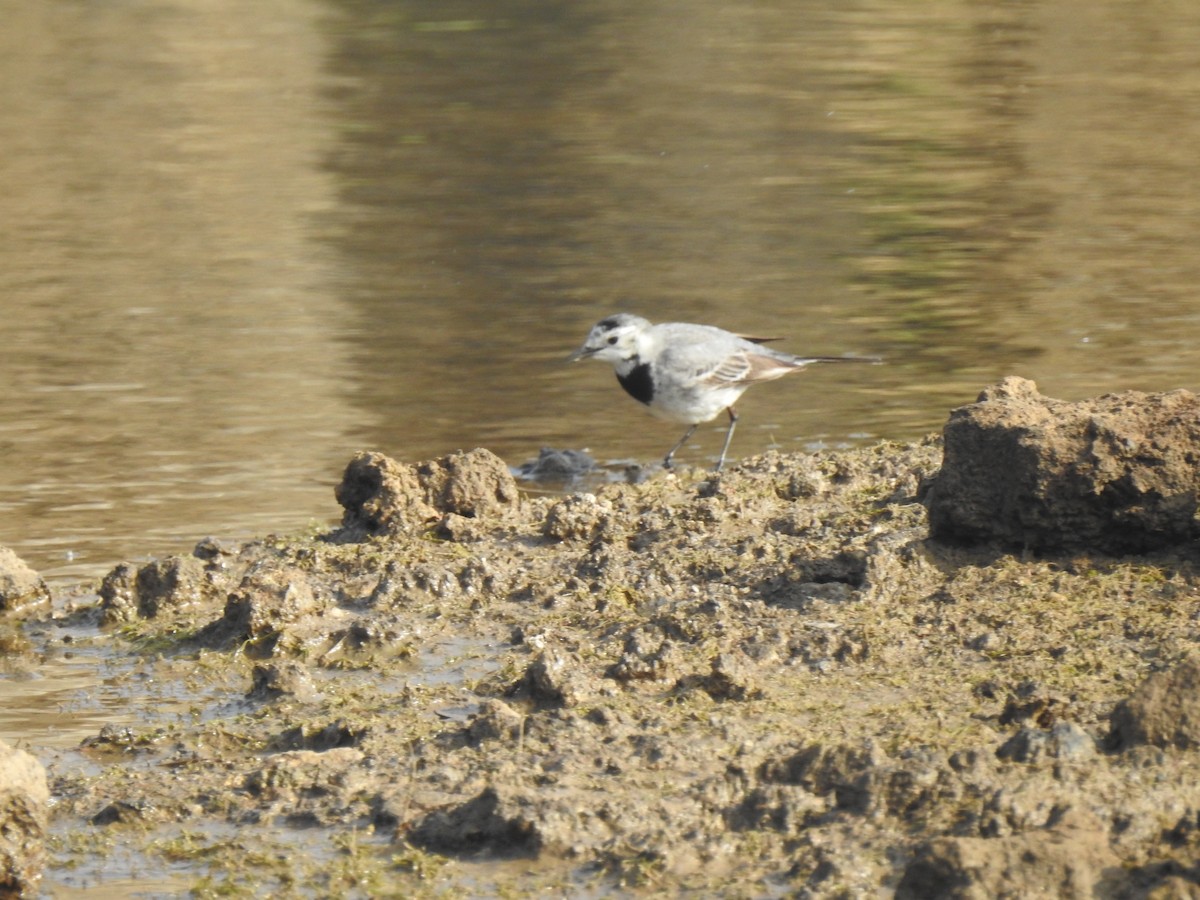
x: 612, y: 340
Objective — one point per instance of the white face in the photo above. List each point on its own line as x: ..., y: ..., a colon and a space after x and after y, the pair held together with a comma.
x: 613, y: 340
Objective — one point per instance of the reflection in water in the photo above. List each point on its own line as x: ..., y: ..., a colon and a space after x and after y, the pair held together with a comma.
x: 1030, y: 192
x: 241, y: 242
x: 169, y: 367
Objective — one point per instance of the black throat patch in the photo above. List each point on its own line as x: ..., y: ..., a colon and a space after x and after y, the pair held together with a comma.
x: 638, y: 383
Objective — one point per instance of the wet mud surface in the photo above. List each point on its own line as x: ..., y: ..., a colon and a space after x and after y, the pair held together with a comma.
x: 767, y: 683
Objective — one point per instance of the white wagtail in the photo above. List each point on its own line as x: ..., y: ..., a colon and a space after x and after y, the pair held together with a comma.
x: 689, y: 373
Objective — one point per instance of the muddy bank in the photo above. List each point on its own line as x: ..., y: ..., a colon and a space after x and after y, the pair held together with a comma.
x: 768, y: 683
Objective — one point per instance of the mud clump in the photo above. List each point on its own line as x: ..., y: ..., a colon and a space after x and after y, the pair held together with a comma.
x: 733, y: 677
x: 557, y: 677
x: 1114, y: 474
x: 495, y: 720
x: 381, y: 496
x: 24, y: 812
x: 129, y: 593
x: 176, y: 588
x: 1067, y: 860
x: 20, y: 586
x: 273, y: 610
x: 500, y: 823
x: 1164, y: 711
x: 286, y: 679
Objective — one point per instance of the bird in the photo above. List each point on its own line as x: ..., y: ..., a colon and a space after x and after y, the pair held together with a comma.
x: 689, y: 373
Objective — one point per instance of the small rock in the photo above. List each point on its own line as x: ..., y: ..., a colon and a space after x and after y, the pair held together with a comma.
x: 1065, y: 741
x: 212, y: 551
x: 985, y: 641
x: 556, y: 465
x: 119, y: 812
x: 1069, y: 741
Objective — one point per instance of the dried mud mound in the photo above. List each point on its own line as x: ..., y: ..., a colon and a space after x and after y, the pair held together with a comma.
x: 20, y: 586
x: 1114, y: 474
x: 24, y: 810
x: 382, y: 496
x: 770, y: 682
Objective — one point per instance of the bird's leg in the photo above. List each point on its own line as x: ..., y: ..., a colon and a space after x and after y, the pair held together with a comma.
x: 679, y: 443
x: 728, y: 437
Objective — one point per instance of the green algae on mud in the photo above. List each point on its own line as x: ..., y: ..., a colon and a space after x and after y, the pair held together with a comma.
x: 767, y: 682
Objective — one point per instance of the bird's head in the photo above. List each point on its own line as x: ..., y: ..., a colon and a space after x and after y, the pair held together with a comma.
x: 614, y: 339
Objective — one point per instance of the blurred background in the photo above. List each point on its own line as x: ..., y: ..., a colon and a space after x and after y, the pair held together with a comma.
x: 242, y: 241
